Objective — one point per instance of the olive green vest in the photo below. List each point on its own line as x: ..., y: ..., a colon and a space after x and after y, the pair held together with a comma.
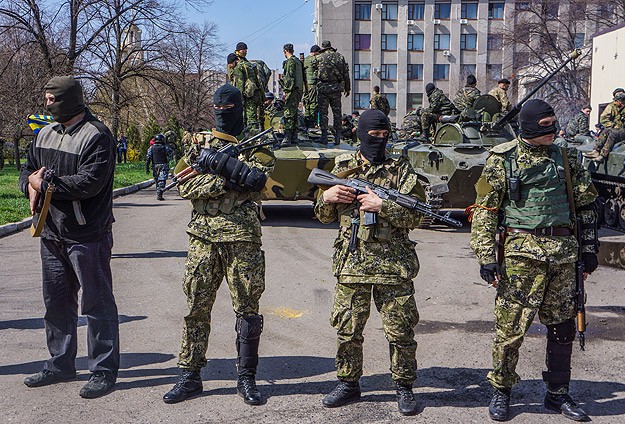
x: 543, y: 200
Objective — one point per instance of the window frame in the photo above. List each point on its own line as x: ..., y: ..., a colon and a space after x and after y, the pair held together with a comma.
x: 384, y: 71
x: 392, y: 103
x: 358, y: 71
x: 384, y: 42
x: 410, y: 72
x: 385, y: 11
x: 411, y: 42
x: 436, y: 73
x: 357, y: 36
x: 491, y: 10
x: 464, y: 9
x: 437, y: 11
x: 437, y: 41
x: 412, y: 7
x: 362, y: 104
x: 463, y: 41
x: 360, y: 7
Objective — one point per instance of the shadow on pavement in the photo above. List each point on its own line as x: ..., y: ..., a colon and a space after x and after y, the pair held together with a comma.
x: 37, y: 323
x: 151, y: 255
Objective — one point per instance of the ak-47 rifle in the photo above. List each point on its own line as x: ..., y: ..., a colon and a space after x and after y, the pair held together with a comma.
x: 42, y: 204
x: 322, y: 178
x: 232, y: 150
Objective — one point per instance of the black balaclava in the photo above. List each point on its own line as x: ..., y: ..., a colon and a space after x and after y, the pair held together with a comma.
x: 229, y: 121
x: 429, y: 88
x: 68, y: 100
x: 373, y: 148
x: 531, y: 113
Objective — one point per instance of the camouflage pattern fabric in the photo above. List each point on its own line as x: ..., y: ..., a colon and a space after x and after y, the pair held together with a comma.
x: 347, y: 132
x: 333, y: 100
x: 578, y: 125
x: 243, y: 266
x: 379, y: 101
x: 502, y: 96
x: 293, y: 85
x: 411, y: 124
x: 439, y: 105
x: 608, y: 138
x: 398, y: 310
x: 244, y: 76
x: 466, y: 97
x: 311, y: 104
x: 160, y: 172
x: 332, y: 80
x: 612, y: 116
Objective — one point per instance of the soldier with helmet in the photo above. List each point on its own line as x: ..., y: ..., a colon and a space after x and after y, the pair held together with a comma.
x: 159, y: 155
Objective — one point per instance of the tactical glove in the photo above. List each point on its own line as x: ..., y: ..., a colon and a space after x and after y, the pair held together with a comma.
x: 590, y: 262
x: 490, y: 272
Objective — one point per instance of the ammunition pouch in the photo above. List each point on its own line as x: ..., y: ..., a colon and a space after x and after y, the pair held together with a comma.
x: 225, y: 204
x: 380, y: 232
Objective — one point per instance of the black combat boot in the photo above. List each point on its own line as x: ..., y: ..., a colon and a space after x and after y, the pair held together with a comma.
x: 99, y: 384
x: 159, y: 195
x: 499, y: 407
x: 406, y: 400
x: 337, y: 137
x: 324, y: 137
x: 563, y: 404
x: 248, y: 330
x: 345, y: 392
x: 287, y: 141
x: 189, y: 385
x: 246, y: 388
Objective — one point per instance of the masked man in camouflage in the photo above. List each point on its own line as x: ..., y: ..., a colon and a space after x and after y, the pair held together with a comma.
x: 379, y: 101
x: 411, y: 124
x: 381, y: 263
x: 439, y: 105
x: 578, y: 125
x: 244, y: 76
x: 613, y: 120
x: 332, y: 79
x: 311, y: 103
x: 525, y: 181
x: 293, y: 85
x: 501, y: 94
x: 466, y: 96
x: 224, y: 241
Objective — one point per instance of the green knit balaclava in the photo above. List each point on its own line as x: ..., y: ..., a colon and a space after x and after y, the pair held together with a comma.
x: 68, y: 99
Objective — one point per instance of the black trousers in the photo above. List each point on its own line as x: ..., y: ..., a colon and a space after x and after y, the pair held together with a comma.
x: 66, y: 268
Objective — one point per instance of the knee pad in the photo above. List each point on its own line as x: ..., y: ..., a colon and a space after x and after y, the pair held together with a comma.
x: 249, y: 327
x: 248, y: 338
x: 563, y: 333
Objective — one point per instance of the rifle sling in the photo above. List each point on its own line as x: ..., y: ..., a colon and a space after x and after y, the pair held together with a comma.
x: 39, y: 220
x: 569, y: 187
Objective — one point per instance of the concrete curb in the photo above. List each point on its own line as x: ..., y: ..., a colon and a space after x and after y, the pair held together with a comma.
x: 14, y: 227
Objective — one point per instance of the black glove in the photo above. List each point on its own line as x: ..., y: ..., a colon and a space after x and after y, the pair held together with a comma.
x: 590, y: 262
x: 147, y: 171
x: 490, y: 272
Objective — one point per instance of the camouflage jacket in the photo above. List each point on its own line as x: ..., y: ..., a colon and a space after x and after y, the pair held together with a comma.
x: 440, y: 103
x: 411, y: 124
x: 292, y: 74
x: 379, y: 101
x: 221, y: 214
x: 465, y: 97
x: 244, y: 75
x: 332, y: 72
x: 492, y: 188
x: 578, y: 125
x: 502, y: 96
x: 612, y: 116
x: 385, y: 254
x: 311, y: 68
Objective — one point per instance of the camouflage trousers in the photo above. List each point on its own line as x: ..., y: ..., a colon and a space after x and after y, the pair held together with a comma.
x: 253, y: 110
x: 398, y: 310
x: 608, y: 138
x: 243, y: 266
x: 333, y: 100
x: 528, y: 286
x: 291, y: 106
x: 428, y: 123
x: 160, y: 172
x: 311, y: 105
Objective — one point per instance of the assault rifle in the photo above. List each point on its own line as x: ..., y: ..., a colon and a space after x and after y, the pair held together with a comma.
x: 580, y: 292
x: 232, y: 150
x: 322, y: 178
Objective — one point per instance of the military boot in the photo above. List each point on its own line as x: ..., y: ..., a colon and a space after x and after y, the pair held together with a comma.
x: 248, y: 330
x: 287, y: 141
x: 246, y: 388
x: 406, y: 400
x: 499, y: 408
x: 345, y: 392
x: 189, y: 385
x: 563, y: 404
x: 159, y: 195
x: 324, y: 137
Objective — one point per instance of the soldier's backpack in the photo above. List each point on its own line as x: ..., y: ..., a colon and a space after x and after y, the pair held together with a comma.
x: 263, y: 72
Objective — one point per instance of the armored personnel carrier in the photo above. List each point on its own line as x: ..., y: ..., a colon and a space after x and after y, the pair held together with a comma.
x: 609, y: 179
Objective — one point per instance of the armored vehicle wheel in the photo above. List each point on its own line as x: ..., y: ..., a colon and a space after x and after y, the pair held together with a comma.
x: 621, y: 217
x: 611, y: 212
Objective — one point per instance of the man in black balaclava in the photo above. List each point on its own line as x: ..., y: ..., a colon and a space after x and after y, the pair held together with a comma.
x: 376, y: 260
x: 76, y: 239
x: 224, y: 242
x: 526, y: 180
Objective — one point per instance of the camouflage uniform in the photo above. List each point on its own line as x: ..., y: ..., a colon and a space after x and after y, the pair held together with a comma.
x: 379, y: 101
x: 411, y: 124
x: 466, y: 97
x: 332, y: 80
x: 502, y: 96
x: 244, y: 77
x: 578, y: 125
x: 538, y: 271
x: 293, y: 86
x: 613, y: 120
x: 384, y: 265
x: 311, y: 104
x: 347, y: 131
x: 439, y: 105
x: 224, y: 240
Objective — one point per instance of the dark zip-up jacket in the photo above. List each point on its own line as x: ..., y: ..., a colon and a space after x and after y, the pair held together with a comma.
x: 83, y: 159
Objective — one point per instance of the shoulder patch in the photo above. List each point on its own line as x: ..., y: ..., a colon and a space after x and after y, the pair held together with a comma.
x: 504, y: 147
x: 345, y: 157
x: 482, y: 187
x: 265, y: 156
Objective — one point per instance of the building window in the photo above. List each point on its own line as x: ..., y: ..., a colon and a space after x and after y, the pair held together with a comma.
x: 414, y: 100
x: 361, y: 100
x: 495, y: 10
x: 441, y: 41
x: 468, y: 41
x: 550, y: 9
x: 363, y: 12
x: 389, y: 12
x: 468, y: 10
x: 415, y: 41
x: 494, y: 72
x: 392, y: 100
x: 362, y: 71
x: 415, y: 72
x: 388, y: 72
x: 441, y: 72
x: 494, y: 41
x: 389, y: 41
x: 522, y: 5
x: 362, y: 41
x: 578, y: 41
x: 416, y: 11
x: 466, y: 70
x: 442, y: 10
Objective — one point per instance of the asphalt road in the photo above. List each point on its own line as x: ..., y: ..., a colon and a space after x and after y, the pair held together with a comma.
x: 298, y: 344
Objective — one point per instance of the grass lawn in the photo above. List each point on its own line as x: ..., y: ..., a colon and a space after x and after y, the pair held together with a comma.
x: 14, y: 206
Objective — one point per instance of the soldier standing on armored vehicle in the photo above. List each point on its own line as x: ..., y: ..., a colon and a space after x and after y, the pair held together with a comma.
x: 613, y: 120
x: 526, y: 179
x: 379, y: 101
x: 378, y: 260
x: 224, y: 241
x: 293, y: 85
x: 578, y: 125
x: 466, y: 96
x: 439, y: 105
x: 411, y: 124
x: 244, y: 76
x: 332, y: 79
x: 311, y: 103
x: 501, y: 94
